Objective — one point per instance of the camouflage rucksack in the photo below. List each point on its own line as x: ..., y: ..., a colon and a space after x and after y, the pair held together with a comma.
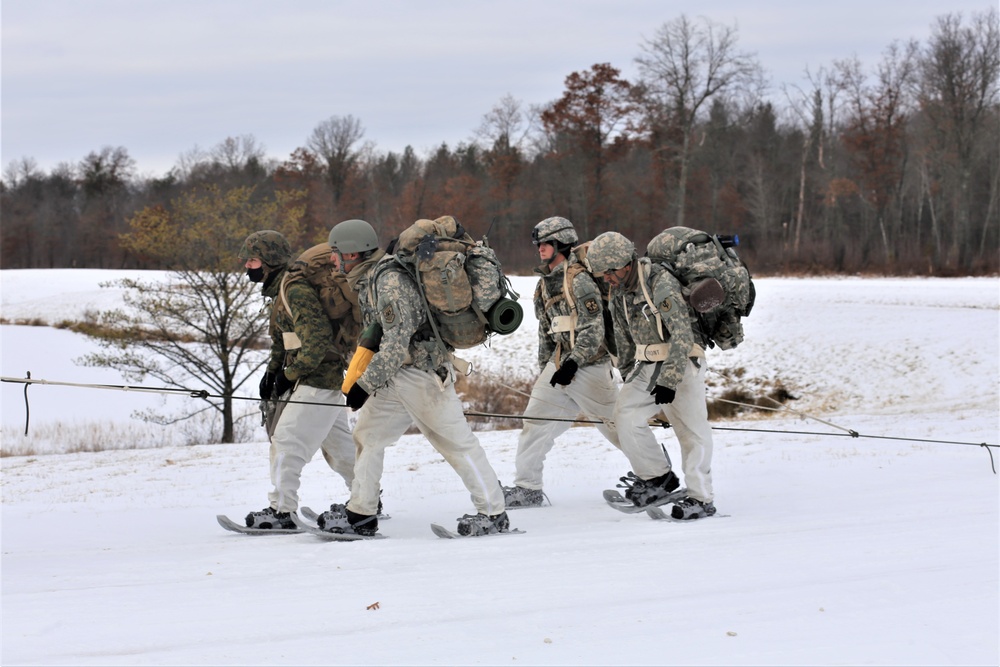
x: 462, y: 283
x: 340, y: 302
x: 714, y: 280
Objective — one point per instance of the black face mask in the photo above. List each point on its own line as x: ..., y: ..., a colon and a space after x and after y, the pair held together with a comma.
x: 256, y: 275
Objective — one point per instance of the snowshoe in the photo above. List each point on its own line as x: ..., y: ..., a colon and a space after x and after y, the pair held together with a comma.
x: 269, y: 519
x: 687, y: 509
x: 518, y: 496
x: 482, y: 524
x: 339, y: 519
x: 644, y: 492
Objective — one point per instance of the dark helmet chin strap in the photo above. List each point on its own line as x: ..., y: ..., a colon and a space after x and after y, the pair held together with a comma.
x: 271, y: 274
x: 562, y: 248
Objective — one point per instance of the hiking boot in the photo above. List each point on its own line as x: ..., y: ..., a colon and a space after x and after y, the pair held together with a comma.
x: 339, y: 507
x: 688, y: 508
x: 339, y: 519
x: 481, y: 524
x: 269, y: 519
x: 378, y: 512
x: 646, y: 492
x: 518, y: 496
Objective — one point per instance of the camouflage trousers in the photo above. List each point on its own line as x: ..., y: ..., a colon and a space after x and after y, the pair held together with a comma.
x: 592, y: 393
x: 688, y: 414
x: 301, y: 431
x: 419, y: 397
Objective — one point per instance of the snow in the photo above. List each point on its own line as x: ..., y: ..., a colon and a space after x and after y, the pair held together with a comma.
x: 836, y: 550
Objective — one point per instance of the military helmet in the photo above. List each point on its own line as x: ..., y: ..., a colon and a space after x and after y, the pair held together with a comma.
x: 610, y: 251
x: 268, y: 246
x: 557, y: 231
x: 353, y: 236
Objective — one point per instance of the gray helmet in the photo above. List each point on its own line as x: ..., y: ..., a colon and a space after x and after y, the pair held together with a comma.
x: 268, y: 246
x: 608, y: 252
x: 557, y: 231
x: 353, y: 236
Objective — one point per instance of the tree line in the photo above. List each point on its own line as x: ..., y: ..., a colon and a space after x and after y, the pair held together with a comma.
x: 890, y: 169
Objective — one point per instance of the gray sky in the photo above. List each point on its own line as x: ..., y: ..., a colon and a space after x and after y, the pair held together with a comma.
x: 161, y: 78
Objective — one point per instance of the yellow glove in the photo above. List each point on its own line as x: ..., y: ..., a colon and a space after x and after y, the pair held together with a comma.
x: 367, y: 347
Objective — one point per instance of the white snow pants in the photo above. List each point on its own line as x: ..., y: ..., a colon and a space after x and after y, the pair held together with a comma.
x: 688, y: 414
x: 417, y: 397
x: 592, y: 392
x: 301, y: 430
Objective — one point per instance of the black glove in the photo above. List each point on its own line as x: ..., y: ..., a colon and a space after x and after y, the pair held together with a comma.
x: 663, y: 395
x: 267, y: 386
x: 564, y: 374
x: 356, y: 397
x: 282, y: 384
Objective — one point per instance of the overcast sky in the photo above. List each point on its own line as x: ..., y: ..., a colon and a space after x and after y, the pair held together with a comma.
x: 161, y: 78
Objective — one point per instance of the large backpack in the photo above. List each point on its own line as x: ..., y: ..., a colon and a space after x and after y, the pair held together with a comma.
x: 714, y: 280
x: 340, y: 302
x: 461, y: 281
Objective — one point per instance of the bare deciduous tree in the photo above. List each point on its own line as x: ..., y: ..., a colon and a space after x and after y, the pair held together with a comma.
x: 875, y: 135
x: 505, y: 127
x: 333, y: 140
x: 237, y: 153
x: 683, y: 66
x: 807, y: 108
x: 503, y: 133
x: 958, y: 93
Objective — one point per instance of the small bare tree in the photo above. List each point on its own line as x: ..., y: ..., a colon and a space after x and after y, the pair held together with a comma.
x: 201, y: 325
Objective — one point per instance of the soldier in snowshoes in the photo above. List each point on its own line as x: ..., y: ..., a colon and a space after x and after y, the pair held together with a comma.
x: 407, y: 381
x: 304, y: 368
x: 576, y: 372
x: 661, y: 356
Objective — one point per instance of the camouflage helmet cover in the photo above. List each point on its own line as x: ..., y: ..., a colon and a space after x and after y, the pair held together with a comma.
x: 353, y: 236
x: 608, y: 252
x: 268, y: 246
x: 554, y: 230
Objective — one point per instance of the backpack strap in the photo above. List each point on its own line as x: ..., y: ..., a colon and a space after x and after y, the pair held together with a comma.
x: 283, y: 297
x: 571, y: 272
x: 649, y: 300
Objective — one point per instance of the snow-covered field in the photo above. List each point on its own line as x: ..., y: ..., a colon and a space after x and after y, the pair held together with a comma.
x: 837, y: 550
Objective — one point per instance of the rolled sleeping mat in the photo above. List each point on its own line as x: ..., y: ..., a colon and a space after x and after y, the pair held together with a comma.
x: 505, y: 316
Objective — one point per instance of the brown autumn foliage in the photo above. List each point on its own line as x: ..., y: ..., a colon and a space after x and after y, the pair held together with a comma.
x: 893, y: 169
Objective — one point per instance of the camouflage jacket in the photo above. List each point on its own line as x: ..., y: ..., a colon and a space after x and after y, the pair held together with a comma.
x: 550, y: 302
x: 634, y: 324
x: 390, y: 296
x: 315, y: 363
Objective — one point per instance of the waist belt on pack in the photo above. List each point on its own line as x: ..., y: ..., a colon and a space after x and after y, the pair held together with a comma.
x: 658, y: 352
x: 563, y: 324
x: 652, y: 353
